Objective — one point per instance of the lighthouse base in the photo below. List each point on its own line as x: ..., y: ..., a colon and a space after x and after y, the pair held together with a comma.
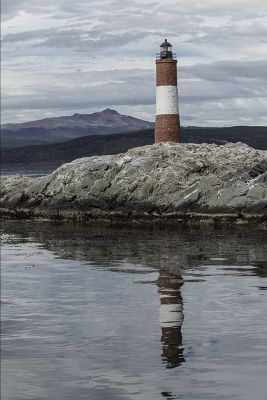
x: 167, y: 128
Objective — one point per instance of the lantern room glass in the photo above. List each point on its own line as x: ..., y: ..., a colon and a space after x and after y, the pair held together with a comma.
x: 166, y: 48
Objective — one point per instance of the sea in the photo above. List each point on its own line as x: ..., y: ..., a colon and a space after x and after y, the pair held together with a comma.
x: 116, y: 312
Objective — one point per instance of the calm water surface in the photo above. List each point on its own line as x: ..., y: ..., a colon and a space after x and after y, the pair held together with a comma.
x: 32, y: 169
x: 95, y: 312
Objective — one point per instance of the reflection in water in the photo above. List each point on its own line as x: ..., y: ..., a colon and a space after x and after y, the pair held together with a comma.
x: 171, y: 318
x: 167, y: 395
x: 172, y: 249
x: 81, y: 318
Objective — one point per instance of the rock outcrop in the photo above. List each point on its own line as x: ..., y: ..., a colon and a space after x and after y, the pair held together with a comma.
x: 159, y: 181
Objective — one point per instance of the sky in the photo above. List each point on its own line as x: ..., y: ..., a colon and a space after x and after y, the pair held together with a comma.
x: 61, y: 57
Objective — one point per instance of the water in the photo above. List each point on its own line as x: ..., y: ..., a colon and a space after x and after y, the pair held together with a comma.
x: 32, y: 169
x: 96, y: 312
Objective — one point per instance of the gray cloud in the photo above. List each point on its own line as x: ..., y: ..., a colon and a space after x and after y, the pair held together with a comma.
x: 75, y: 38
x: 136, y: 86
x: 228, y: 70
x: 61, y: 55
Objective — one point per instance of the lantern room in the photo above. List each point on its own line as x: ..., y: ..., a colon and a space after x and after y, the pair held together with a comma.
x: 165, y: 50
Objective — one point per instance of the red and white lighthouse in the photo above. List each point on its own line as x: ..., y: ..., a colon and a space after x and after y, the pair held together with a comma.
x: 167, y: 126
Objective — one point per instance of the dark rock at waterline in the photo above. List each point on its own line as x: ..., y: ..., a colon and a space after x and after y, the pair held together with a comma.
x: 154, y: 181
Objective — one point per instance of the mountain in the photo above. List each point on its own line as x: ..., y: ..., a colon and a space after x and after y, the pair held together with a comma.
x: 68, y: 127
x: 57, y: 153
x: 107, y: 118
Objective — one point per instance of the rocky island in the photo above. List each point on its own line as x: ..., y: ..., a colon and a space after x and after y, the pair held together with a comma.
x: 161, y: 182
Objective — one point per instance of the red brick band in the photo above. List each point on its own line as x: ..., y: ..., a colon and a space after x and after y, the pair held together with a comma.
x: 167, y: 128
x: 166, y: 72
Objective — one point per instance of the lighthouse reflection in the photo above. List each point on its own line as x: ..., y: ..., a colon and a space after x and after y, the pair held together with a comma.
x: 171, y: 318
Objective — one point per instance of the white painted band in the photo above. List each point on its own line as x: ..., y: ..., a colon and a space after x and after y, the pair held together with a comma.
x: 166, y: 100
x: 171, y: 314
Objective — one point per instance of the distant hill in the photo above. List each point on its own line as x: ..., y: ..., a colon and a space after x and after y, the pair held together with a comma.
x: 64, y: 128
x: 58, y: 153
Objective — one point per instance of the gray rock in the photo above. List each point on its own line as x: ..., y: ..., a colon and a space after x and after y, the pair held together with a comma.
x: 158, y: 180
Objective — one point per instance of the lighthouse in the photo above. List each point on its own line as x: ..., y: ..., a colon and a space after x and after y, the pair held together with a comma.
x: 167, y: 125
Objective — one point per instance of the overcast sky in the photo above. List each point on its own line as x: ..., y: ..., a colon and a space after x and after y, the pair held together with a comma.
x: 79, y: 56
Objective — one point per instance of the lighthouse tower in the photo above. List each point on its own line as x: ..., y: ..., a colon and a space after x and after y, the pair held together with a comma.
x: 167, y: 126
